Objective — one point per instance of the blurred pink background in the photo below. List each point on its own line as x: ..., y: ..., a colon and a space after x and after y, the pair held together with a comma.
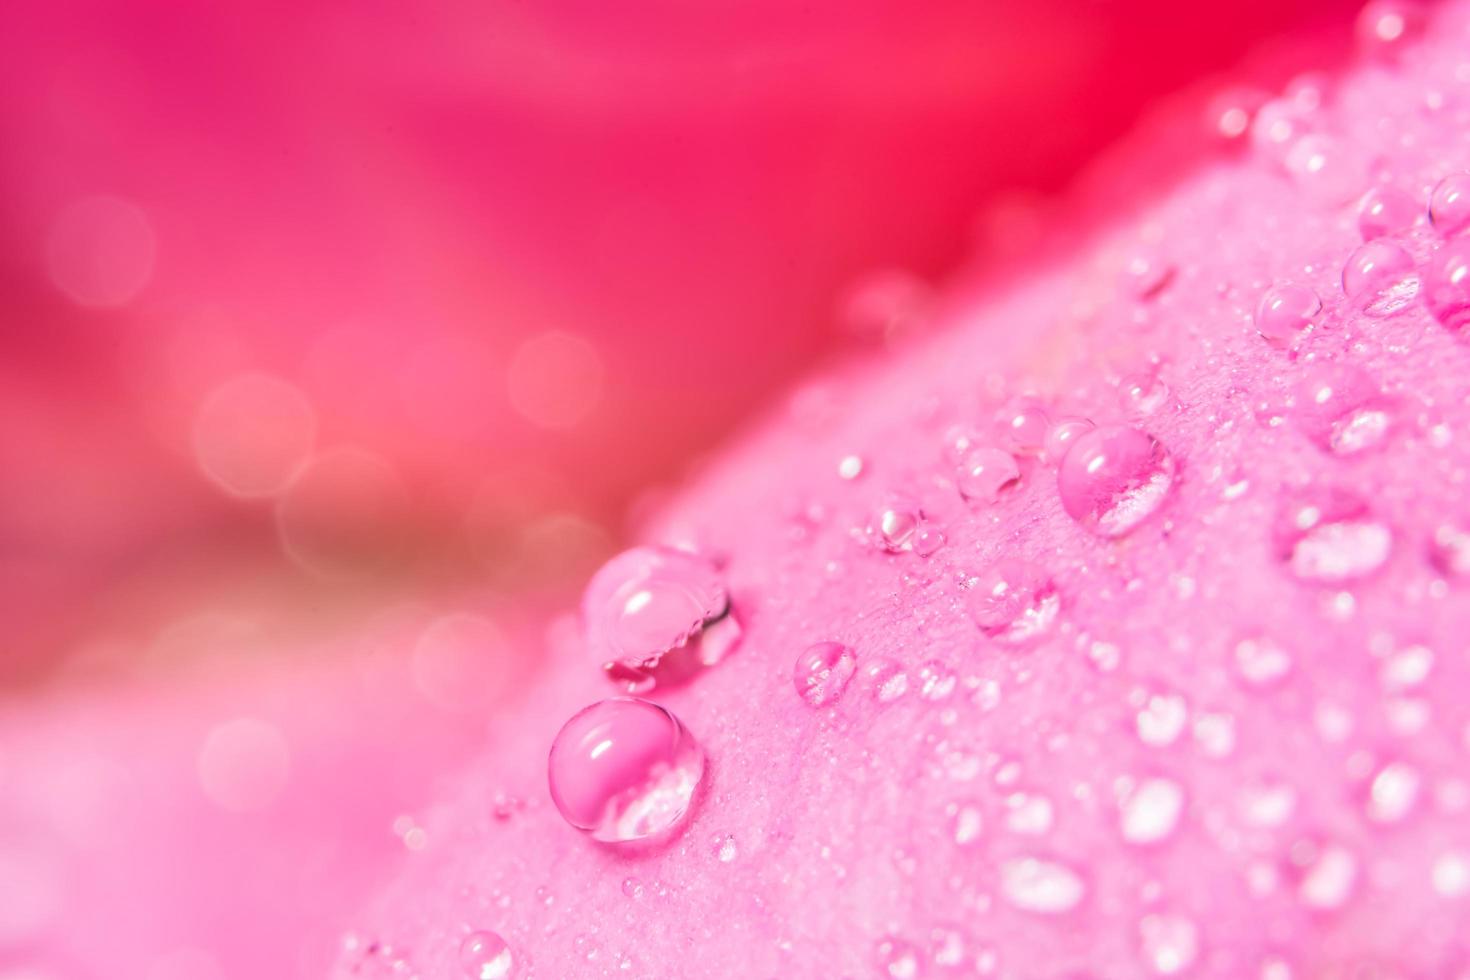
x: 340, y: 342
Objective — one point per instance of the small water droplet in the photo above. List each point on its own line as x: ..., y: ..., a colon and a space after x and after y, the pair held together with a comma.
x: 1023, y: 425
x: 1151, y: 810
x: 1386, y: 211
x: 897, y: 959
x: 966, y: 823
x: 896, y: 526
x: 936, y: 681
x: 1065, y: 431
x: 1449, y: 551
x: 1161, y: 719
x: 485, y: 956
x: 1170, y: 943
x: 1029, y: 814
x: 647, y: 603
x: 1141, y: 395
x: 1394, y: 792
x: 1380, y: 278
x: 1449, y: 205
x: 624, y: 769
x: 1329, y: 535
x: 633, y: 888
x: 1406, y: 669
x: 850, y: 467
x: 823, y: 671
x: 1114, y: 478
x: 985, y: 473
x: 1286, y: 312
x: 1266, y: 803
x: 927, y: 540
x: 1447, y: 288
x: 1146, y: 273
x: 1215, y: 733
x: 1451, y: 874
x: 1329, y: 880
x: 1341, y: 409
x: 887, y: 680
x: 1040, y: 886
x: 1014, y: 602
x: 724, y: 848
x: 1261, y: 662
x: 1325, y: 169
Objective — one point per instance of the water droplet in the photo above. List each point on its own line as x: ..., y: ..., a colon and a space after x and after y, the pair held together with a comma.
x: 1324, y: 168
x: 896, y: 526
x: 1329, y: 880
x: 1329, y: 535
x: 1215, y: 733
x: 1146, y: 274
x: 1114, y: 478
x: 1286, y: 312
x: 485, y: 956
x: 647, y: 603
x: 966, y: 824
x: 1023, y: 426
x: 927, y: 540
x: 1014, y: 602
x: 936, y: 681
x: 1449, y: 205
x: 1142, y: 394
x: 887, y: 680
x: 1449, y: 550
x: 1065, y: 431
x: 897, y: 959
x: 1384, y: 27
x: 1406, y: 669
x: 1447, y: 288
x: 1031, y: 814
x: 633, y: 888
x: 1394, y: 792
x: 823, y: 671
x: 1040, y: 886
x: 1379, y: 278
x: 1161, y: 719
x: 1277, y: 126
x: 1451, y: 874
x: 850, y: 467
x: 724, y: 848
x: 1266, y: 803
x: 985, y: 473
x: 1261, y: 662
x: 624, y: 769
x: 1386, y: 211
x: 1341, y: 409
x: 1170, y: 943
x: 1151, y: 810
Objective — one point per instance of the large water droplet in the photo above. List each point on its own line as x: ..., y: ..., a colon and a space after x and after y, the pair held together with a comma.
x: 1170, y: 943
x: 1386, y: 211
x: 1449, y: 205
x: 984, y: 474
x: 1379, y: 278
x: 485, y: 956
x: 1014, y: 602
x: 647, y: 603
x: 1150, y: 811
x: 1329, y: 535
x: 1114, y: 478
x: 823, y: 671
x: 624, y: 769
x: 1040, y: 886
x: 1286, y: 312
x: 1447, y: 288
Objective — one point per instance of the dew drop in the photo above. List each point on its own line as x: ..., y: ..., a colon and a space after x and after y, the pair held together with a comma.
x: 823, y: 671
x: 1406, y: 669
x: 1146, y: 274
x: 1261, y: 662
x: 1029, y: 814
x: 1142, y: 394
x: 647, y: 603
x: 1341, y: 409
x: 927, y: 540
x: 1151, y: 810
x: 966, y: 823
x: 624, y: 769
x: 887, y: 680
x: 850, y: 467
x: 1386, y: 211
x: 1170, y: 943
x: 1040, y: 886
x: 1286, y: 312
x: 1266, y: 804
x: 633, y: 888
x: 1014, y: 602
x: 1324, y: 168
x: 936, y: 681
x: 1114, y: 478
x: 1023, y: 426
x: 1451, y: 874
x: 1379, y: 278
x: 1329, y: 880
x: 985, y: 473
x: 1063, y: 433
x: 897, y: 959
x: 485, y: 956
x: 1449, y: 205
x: 1449, y: 550
x: 896, y: 526
x: 1328, y: 535
x: 1447, y: 288
x: 1161, y: 719
x: 724, y: 848
x: 1393, y: 793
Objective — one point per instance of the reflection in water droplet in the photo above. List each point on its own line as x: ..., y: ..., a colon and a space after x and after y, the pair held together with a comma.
x: 1141, y: 395
x: 896, y: 526
x: 1041, y: 886
x: 1014, y: 602
x: 624, y: 769
x: 1386, y: 211
x: 1023, y: 426
x: 646, y: 603
x: 1379, y: 278
x: 1286, y: 312
x: 1329, y: 535
x: 984, y: 474
x: 1114, y: 478
x: 485, y: 956
x: 823, y: 671
x: 1064, y: 432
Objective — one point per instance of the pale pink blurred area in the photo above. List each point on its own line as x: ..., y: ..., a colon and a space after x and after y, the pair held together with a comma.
x: 314, y: 314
